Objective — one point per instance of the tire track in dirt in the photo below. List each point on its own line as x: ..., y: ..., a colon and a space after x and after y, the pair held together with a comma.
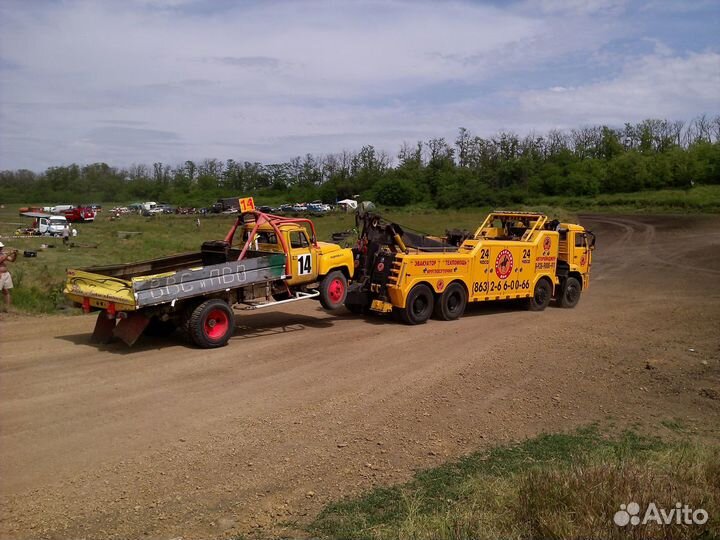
x: 642, y: 237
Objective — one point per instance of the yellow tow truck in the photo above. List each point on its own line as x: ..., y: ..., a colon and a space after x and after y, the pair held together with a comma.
x: 512, y: 255
x: 264, y: 260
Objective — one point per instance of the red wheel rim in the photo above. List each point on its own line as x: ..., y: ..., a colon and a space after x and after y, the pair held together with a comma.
x: 217, y: 323
x: 336, y: 290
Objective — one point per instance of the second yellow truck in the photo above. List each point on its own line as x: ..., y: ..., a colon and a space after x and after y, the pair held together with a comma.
x: 512, y: 255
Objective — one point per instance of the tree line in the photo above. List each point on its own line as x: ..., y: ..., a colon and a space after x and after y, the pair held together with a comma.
x: 469, y: 171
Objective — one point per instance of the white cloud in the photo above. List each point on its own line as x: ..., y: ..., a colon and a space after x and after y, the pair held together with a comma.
x: 170, y: 80
x: 654, y: 86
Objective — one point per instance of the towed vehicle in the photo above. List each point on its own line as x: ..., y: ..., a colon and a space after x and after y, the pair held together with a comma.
x: 264, y: 260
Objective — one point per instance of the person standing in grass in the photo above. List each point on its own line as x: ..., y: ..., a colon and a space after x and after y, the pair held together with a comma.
x: 5, y: 278
x: 66, y: 234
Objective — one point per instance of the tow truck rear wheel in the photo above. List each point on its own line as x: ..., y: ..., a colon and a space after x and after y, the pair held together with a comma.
x: 419, y: 305
x: 570, y: 295
x: 211, y: 324
x: 452, y: 302
x: 333, y: 290
x: 541, y: 296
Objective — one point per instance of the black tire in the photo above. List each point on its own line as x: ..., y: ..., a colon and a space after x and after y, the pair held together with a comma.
x: 452, y: 302
x: 541, y: 295
x: 211, y: 324
x: 333, y: 290
x: 570, y: 295
x: 159, y: 328
x: 419, y: 305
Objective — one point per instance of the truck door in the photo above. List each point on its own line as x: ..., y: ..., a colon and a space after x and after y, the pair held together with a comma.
x: 582, y: 254
x: 43, y: 225
x: 303, y: 258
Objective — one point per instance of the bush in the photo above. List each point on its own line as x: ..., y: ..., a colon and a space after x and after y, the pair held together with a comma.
x: 394, y: 192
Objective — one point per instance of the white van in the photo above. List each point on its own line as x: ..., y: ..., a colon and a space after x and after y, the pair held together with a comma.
x: 52, y: 226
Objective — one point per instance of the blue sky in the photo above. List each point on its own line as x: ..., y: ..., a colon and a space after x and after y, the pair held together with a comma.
x: 141, y: 81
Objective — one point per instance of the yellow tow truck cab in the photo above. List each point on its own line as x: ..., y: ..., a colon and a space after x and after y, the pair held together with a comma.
x: 512, y: 255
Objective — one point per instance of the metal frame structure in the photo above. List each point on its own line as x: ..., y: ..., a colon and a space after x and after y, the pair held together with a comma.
x: 261, y: 218
x: 538, y: 223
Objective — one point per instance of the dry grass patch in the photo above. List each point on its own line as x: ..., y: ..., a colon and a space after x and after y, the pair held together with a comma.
x: 554, y: 486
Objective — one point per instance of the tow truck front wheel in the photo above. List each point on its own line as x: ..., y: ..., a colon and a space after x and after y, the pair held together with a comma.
x: 419, y: 305
x: 211, y: 324
x: 570, y: 294
x: 333, y: 290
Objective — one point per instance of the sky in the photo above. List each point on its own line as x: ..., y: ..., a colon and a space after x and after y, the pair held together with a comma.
x: 141, y: 81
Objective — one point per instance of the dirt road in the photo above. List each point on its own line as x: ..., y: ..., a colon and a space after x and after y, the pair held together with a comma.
x: 303, y: 407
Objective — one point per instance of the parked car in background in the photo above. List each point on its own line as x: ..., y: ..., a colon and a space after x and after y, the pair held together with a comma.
x: 165, y: 208
x: 226, y: 205
x: 52, y: 225
x: 318, y: 207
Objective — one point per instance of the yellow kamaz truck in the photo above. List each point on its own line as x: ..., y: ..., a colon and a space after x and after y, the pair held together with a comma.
x: 512, y: 255
x: 264, y: 260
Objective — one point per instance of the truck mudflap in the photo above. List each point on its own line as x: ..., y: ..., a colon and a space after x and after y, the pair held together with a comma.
x: 128, y: 328
x: 104, y: 327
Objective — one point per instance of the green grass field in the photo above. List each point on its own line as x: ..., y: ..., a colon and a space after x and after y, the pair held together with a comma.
x: 38, y: 281
x: 704, y: 199
x: 553, y: 486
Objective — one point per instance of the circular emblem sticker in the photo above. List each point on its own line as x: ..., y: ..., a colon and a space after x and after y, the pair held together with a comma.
x: 440, y: 285
x: 547, y: 243
x: 380, y: 267
x: 504, y: 264
x: 582, y: 261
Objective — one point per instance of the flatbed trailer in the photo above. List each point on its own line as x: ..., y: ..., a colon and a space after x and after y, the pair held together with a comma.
x: 277, y: 260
